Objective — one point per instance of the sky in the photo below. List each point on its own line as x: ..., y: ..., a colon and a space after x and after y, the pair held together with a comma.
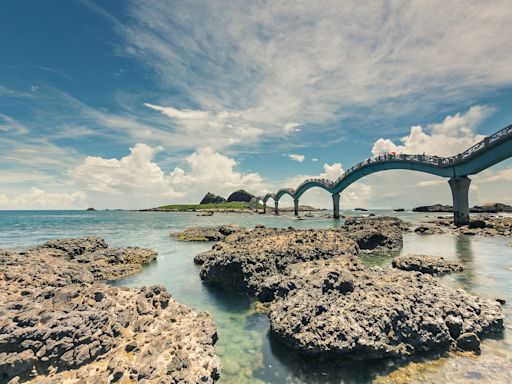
x: 137, y: 104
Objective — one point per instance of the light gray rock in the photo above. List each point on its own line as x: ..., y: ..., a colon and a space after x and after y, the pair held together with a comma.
x: 426, y: 264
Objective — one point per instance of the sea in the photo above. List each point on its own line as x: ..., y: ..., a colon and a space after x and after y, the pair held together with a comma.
x: 248, y: 352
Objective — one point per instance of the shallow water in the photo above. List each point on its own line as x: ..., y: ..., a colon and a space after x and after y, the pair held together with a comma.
x: 248, y: 353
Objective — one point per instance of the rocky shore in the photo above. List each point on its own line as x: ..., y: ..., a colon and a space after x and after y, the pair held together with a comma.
x: 426, y: 264
x: 324, y: 302
x: 60, y: 323
x: 256, y: 261
x: 482, y: 225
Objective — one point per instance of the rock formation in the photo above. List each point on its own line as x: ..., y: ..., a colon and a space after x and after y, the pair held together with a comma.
x: 433, y: 208
x: 207, y: 233
x: 210, y: 198
x: 380, y: 312
x: 426, y: 264
x: 483, y: 225
x: 257, y: 261
x: 60, y: 324
x: 240, y: 195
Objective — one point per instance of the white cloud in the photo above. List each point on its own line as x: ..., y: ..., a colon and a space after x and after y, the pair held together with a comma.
x: 292, y: 63
x: 455, y: 134
x: 39, y: 199
x: 137, y: 181
x: 296, y: 157
x: 314, y: 159
x: 211, y: 129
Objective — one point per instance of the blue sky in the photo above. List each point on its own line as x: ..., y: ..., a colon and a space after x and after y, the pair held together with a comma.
x: 140, y: 103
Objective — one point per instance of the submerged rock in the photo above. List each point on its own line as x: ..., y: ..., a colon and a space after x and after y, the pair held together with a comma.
x: 426, y: 264
x: 380, y: 313
x: 207, y: 233
x: 428, y: 230
x: 482, y: 225
x: 59, y: 324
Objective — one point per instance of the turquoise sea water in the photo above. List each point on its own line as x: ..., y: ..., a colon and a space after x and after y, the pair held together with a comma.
x: 249, y: 354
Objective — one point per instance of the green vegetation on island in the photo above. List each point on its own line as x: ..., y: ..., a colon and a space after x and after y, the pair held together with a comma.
x: 235, y: 205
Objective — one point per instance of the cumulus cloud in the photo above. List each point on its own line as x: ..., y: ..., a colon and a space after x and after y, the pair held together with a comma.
x: 296, y: 157
x: 39, y: 199
x: 455, y: 134
x: 137, y: 180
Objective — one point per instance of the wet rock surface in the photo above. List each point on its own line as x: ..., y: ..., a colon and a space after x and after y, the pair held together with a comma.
x: 426, y: 264
x: 60, y: 324
x: 324, y: 302
x: 379, y: 313
x: 376, y: 233
x: 256, y: 261
x: 207, y: 233
x: 482, y: 225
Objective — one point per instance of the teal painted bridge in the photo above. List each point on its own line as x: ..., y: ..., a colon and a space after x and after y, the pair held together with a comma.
x: 488, y: 152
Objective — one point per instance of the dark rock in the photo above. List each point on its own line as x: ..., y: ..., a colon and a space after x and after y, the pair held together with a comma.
x: 90, y: 209
x: 434, y: 208
x: 375, y: 234
x: 240, y: 195
x: 207, y: 233
x: 491, y: 208
x: 210, y: 198
x: 256, y: 261
x: 399, y: 210
x: 469, y: 341
x: 361, y: 209
x: 387, y: 313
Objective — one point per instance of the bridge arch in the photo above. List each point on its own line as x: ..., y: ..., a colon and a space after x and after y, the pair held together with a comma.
x: 492, y: 150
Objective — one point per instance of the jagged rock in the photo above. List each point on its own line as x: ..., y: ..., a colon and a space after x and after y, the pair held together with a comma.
x: 469, y: 342
x: 482, y: 225
x: 379, y: 313
x: 376, y: 233
x: 210, y: 198
x: 426, y: 264
x: 427, y: 230
x: 256, y: 261
x: 59, y: 324
x: 240, y: 195
x: 207, y: 233
x: 491, y: 208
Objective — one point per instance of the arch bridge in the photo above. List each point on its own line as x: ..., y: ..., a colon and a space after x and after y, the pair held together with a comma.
x: 488, y: 152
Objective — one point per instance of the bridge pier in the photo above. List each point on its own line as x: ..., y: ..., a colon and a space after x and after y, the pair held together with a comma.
x: 296, y: 207
x: 460, y: 191
x: 276, y: 207
x: 336, y: 205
